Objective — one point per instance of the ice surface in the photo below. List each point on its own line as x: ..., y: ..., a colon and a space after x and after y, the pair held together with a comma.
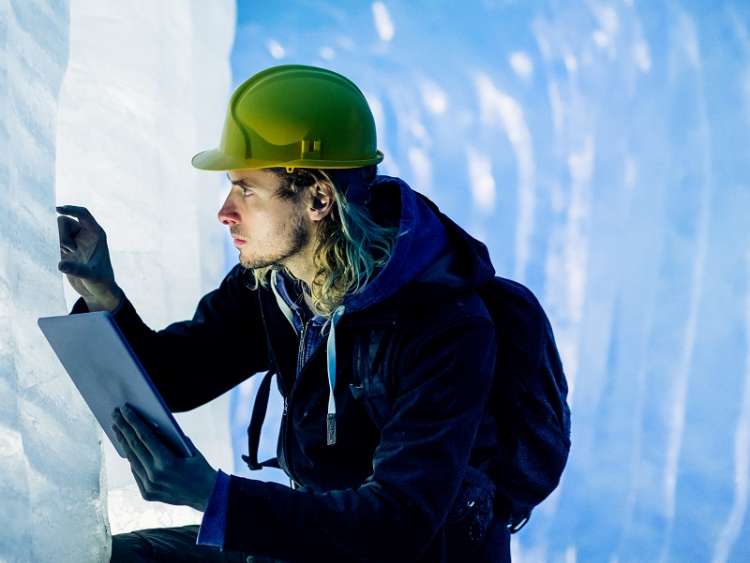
x: 50, y: 460
x: 600, y: 150
x: 601, y: 147
x: 146, y: 88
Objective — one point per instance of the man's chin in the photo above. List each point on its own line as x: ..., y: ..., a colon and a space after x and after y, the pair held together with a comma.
x: 254, y: 264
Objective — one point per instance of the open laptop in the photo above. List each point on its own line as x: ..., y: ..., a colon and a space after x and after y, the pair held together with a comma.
x: 108, y: 374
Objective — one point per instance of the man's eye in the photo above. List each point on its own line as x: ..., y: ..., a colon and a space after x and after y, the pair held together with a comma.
x: 246, y: 191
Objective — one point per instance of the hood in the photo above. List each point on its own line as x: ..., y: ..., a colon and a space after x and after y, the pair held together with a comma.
x: 430, y: 249
x: 432, y: 255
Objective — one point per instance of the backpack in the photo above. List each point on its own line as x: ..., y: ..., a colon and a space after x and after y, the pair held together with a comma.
x: 528, y: 399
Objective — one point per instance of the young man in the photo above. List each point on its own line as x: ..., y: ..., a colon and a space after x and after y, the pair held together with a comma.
x: 362, y: 297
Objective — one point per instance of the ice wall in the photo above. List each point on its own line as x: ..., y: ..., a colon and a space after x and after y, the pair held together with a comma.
x: 50, y: 497
x: 599, y: 148
x: 146, y: 88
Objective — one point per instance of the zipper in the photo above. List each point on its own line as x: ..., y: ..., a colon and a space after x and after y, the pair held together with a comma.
x: 284, y: 457
x: 283, y: 445
x: 301, y: 350
x: 287, y: 399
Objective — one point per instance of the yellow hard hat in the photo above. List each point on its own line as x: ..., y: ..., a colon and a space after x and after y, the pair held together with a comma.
x: 295, y: 116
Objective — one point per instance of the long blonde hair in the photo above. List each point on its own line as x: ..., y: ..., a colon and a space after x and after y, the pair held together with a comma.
x: 351, y: 246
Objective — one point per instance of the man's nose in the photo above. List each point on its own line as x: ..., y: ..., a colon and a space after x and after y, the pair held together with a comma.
x: 228, y: 214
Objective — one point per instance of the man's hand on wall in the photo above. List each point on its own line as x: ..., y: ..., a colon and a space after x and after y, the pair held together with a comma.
x: 159, y: 473
x: 84, y: 258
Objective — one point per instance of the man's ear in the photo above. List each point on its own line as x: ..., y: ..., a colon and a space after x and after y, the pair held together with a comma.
x: 321, y: 201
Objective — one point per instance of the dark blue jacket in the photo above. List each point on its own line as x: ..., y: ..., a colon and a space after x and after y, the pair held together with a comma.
x: 410, y: 361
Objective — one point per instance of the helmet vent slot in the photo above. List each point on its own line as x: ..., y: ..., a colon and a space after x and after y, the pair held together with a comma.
x: 310, y: 148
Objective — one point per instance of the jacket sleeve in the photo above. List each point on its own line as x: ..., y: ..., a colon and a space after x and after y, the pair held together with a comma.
x: 213, y: 523
x: 194, y: 361
x: 417, y: 467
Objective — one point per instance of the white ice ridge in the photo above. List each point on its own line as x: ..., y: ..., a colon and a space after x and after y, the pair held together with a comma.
x: 145, y: 91
x: 50, y: 458
x: 142, y: 93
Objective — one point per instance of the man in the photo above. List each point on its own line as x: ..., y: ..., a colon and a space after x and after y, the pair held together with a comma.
x: 362, y: 297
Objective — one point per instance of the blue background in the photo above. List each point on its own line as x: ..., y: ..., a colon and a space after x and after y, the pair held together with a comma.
x: 600, y: 150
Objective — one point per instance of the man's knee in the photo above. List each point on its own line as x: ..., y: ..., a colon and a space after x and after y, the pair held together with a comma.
x: 167, y: 545
x: 130, y: 547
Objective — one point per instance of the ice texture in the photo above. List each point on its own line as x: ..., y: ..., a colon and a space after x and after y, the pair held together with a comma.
x: 600, y: 150
x: 51, y: 497
x: 146, y: 88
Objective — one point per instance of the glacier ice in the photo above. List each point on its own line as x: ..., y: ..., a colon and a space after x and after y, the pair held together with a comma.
x: 600, y: 150
x: 144, y: 88
x: 50, y: 460
x: 103, y: 103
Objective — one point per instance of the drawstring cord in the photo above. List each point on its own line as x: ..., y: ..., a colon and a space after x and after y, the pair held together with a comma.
x: 331, y: 361
x: 330, y: 356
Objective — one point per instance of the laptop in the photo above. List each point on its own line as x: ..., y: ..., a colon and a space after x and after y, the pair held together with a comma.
x: 108, y: 374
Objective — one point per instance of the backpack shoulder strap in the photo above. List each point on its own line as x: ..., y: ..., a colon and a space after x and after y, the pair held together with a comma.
x: 260, y: 406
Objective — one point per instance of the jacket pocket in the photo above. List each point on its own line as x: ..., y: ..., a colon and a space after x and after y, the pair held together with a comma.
x: 470, y: 516
x: 373, y: 396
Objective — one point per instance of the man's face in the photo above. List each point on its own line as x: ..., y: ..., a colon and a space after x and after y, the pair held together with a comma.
x: 267, y: 228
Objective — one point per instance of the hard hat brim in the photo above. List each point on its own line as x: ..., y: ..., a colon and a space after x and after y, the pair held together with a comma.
x: 216, y: 160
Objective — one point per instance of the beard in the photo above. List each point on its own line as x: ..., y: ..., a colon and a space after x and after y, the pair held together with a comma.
x: 295, y: 237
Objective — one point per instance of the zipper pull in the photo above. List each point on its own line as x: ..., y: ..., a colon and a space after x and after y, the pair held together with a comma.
x: 284, y: 406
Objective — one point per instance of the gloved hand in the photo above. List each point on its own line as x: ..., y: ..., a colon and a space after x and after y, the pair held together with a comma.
x: 85, y: 258
x: 159, y: 473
